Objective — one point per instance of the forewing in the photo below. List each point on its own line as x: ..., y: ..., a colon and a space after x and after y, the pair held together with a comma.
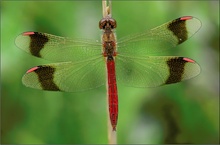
x: 154, y: 71
x: 57, y: 48
x: 67, y: 76
x: 160, y: 38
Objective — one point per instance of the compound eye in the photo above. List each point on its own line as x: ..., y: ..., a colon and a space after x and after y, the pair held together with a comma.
x: 112, y: 23
x: 102, y: 24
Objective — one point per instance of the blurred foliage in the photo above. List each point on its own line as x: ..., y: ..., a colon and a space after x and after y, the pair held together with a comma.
x: 187, y: 112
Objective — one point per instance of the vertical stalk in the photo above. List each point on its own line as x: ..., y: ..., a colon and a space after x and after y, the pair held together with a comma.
x: 112, y: 138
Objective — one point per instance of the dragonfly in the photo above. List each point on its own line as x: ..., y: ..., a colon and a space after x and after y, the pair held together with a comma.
x: 83, y: 64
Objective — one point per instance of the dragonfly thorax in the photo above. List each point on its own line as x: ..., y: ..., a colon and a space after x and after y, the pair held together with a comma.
x: 109, y: 49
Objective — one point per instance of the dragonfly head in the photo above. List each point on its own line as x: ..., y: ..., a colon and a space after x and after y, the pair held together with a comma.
x: 107, y: 23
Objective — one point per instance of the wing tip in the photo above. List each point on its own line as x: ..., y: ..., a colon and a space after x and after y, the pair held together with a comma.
x: 197, y: 68
x: 195, y: 20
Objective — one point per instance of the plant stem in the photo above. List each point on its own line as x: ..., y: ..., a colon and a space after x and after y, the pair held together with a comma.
x: 112, y: 138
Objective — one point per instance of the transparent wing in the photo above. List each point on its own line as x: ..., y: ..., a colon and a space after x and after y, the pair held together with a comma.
x: 57, y: 48
x: 160, y: 38
x: 67, y: 76
x: 154, y: 71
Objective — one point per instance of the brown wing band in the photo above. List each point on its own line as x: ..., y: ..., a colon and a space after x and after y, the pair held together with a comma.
x: 37, y: 43
x: 178, y: 27
x: 176, y: 68
x: 45, y: 77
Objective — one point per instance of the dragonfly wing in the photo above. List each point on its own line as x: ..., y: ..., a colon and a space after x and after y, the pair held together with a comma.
x: 154, y: 71
x: 67, y: 76
x: 57, y: 48
x: 160, y: 38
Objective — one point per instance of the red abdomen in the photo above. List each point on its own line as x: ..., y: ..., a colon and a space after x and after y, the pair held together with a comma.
x: 112, y: 93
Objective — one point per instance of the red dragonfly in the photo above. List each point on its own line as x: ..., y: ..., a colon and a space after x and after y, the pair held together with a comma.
x: 84, y: 64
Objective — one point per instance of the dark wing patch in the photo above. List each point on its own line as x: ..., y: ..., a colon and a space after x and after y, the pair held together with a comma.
x: 176, y: 69
x: 38, y: 40
x: 178, y: 27
x: 45, y: 77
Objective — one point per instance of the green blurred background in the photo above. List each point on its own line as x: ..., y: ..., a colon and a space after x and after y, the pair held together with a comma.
x: 186, y: 112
